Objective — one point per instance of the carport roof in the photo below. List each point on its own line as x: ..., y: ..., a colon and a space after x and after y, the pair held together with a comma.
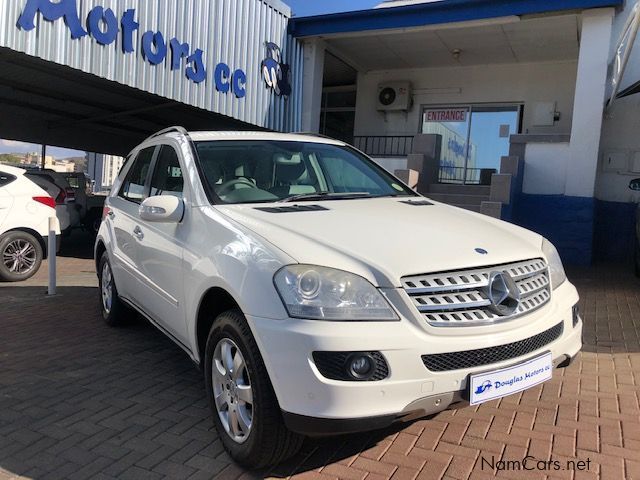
x: 445, y: 11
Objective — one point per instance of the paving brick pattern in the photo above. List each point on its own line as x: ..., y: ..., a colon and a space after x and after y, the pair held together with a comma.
x: 81, y: 400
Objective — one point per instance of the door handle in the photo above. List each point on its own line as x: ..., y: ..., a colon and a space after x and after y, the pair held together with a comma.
x: 137, y: 232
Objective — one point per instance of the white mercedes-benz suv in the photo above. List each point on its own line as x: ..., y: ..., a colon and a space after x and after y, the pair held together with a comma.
x: 318, y: 293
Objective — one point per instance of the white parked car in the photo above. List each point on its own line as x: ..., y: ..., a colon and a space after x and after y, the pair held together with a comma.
x: 318, y: 293
x: 25, y: 209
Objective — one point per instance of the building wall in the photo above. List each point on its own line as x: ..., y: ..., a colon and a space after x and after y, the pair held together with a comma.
x: 229, y: 32
x: 517, y: 83
x: 619, y: 159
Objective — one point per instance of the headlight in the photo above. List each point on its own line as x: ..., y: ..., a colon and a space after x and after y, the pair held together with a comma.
x: 320, y: 293
x: 556, y: 269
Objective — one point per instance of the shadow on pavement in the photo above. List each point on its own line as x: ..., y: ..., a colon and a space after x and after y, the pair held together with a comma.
x: 78, y: 245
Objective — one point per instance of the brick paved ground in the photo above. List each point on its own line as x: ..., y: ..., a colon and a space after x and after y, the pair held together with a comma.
x: 80, y: 400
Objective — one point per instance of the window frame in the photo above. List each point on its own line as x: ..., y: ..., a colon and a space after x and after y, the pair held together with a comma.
x: 154, y: 166
x: 147, y: 182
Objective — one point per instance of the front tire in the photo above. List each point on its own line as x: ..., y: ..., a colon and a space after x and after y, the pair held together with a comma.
x: 637, y: 260
x: 244, y: 406
x: 20, y: 256
x: 114, y: 311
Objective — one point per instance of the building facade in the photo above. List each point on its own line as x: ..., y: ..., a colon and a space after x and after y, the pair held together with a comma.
x: 524, y: 87
x: 100, y: 75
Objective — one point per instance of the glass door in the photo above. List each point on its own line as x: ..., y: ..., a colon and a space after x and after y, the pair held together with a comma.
x: 474, y: 138
x: 338, y: 113
x: 452, y: 124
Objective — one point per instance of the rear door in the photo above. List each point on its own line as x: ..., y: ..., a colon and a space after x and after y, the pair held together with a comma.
x: 122, y: 222
x: 6, y: 200
x: 160, y: 248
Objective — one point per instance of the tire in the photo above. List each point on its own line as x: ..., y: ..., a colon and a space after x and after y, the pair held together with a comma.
x: 267, y: 441
x: 636, y: 260
x: 114, y: 311
x: 20, y: 256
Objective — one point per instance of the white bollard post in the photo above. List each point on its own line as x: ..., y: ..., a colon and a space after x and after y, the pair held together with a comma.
x: 52, y: 255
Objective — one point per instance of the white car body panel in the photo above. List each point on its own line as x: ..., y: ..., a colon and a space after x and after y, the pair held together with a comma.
x: 360, y: 241
x: 67, y: 213
x: 239, y: 249
x: 18, y: 210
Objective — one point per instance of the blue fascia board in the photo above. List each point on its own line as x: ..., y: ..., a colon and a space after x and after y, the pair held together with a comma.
x: 446, y: 11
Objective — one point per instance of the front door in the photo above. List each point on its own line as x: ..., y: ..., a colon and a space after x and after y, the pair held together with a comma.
x: 122, y: 221
x: 160, y: 249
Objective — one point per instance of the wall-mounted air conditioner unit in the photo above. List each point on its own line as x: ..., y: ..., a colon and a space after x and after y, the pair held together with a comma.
x: 394, y: 96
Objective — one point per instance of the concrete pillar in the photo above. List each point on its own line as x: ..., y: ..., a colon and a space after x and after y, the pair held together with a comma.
x: 409, y: 177
x: 425, y: 158
x: 312, y: 78
x: 589, y: 102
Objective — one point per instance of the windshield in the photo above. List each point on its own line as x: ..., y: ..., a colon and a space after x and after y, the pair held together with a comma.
x: 273, y: 171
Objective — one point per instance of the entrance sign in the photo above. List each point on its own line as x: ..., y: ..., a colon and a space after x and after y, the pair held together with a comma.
x: 446, y: 115
x: 102, y: 24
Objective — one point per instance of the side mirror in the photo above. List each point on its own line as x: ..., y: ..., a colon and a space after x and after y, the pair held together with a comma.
x: 162, y: 209
x: 635, y: 184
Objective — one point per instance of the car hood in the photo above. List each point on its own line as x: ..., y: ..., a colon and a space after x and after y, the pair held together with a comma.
x: 385, y: 239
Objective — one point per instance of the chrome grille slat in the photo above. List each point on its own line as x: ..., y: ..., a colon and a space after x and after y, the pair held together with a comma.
x: 457, y: 299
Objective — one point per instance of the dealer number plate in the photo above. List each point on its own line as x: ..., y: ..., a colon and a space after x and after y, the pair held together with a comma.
x: 507, y: 381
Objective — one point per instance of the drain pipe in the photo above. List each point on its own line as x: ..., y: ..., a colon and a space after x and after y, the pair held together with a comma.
x: 630, y: 32
x: 52, y: 255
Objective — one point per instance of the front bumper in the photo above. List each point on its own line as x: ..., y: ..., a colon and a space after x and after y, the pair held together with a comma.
x: 423, y: 407
x: 313, y: 404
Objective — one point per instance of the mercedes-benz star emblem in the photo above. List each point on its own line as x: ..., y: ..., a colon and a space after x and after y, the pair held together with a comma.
x: 503, y: 293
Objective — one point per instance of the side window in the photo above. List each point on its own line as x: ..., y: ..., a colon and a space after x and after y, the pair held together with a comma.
x: 167, y: 176
x: 133, y: 185
x: 6, y: 179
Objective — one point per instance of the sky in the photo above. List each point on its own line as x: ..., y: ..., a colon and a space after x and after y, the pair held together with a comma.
x: 11, y: 146
x: 303, y: 8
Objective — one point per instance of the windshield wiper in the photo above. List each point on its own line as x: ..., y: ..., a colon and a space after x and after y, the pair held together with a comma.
x: 324, y: 196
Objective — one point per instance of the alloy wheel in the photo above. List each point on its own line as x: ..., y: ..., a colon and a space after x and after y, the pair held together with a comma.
x: 232, y: 391
x: 106, y: 288
x: 20, y: 256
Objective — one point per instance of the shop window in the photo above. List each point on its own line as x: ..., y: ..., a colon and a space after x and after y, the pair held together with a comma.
x: 474, y: 139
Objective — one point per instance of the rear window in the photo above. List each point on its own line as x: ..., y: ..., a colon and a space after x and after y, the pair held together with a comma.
x: 6, y: 179
x: 74, y: 182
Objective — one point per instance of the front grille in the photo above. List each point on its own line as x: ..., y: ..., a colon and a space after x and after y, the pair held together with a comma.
x: 444, y: 362
x: 459, y: 299
x: 332, y: 365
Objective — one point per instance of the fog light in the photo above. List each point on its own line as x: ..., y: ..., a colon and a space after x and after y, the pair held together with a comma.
x: 352, y: 366
x: 360, y: 366
x: 576, y: 315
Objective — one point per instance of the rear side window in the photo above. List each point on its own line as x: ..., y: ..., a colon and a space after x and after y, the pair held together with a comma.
x: 167, y: 176
x: 133, y: 187
x: 6, y: 179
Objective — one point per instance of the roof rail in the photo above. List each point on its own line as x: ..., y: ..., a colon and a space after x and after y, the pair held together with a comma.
x: 314, y: 134
x: 176, y: 128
